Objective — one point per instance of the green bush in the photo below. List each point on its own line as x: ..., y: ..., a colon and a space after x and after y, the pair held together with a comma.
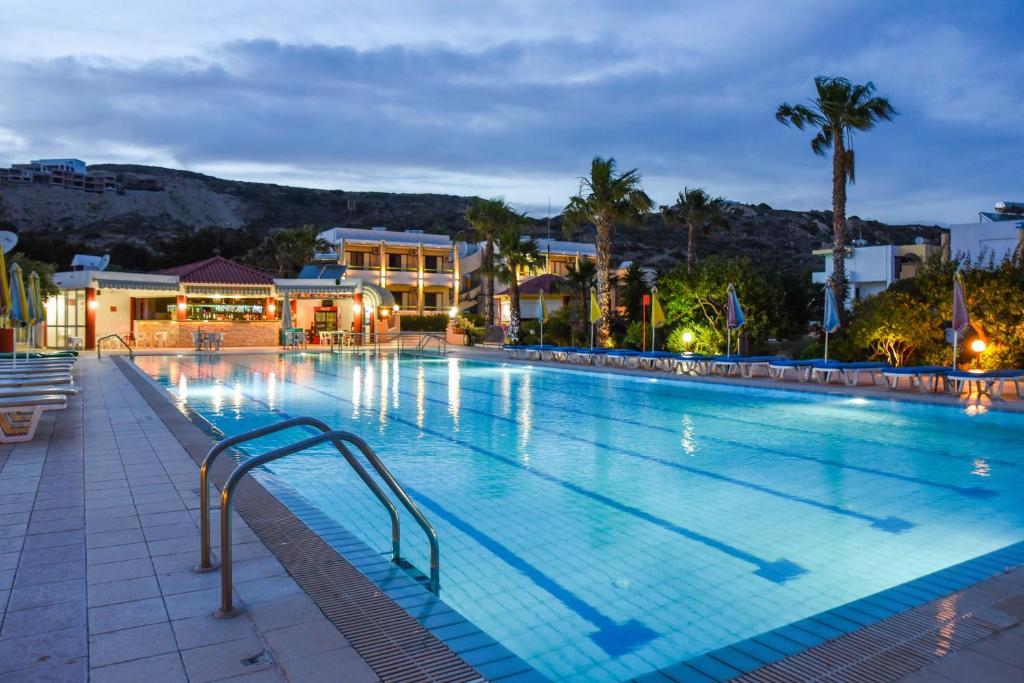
x: 424, y: 323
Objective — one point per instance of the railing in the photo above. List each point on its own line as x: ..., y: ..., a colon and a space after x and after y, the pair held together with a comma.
x: 422, y: 341
x: 338, y: 439
x: 99, y: 345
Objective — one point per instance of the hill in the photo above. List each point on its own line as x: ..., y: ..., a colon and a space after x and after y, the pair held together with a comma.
x: 133, y: 220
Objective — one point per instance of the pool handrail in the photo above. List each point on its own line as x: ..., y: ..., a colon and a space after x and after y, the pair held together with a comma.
x: 337, y: 439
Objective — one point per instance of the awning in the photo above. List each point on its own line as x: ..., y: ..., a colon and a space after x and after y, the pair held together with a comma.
x: 378, y: 297
x: 228, y: 290
x: 326, y: 289
x: 114, y: 283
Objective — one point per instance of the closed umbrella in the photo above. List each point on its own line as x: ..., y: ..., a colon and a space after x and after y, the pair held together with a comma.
x: 961, y: 318
x: 831, y: 322
x: 35, y: 290
x: 657, y: 314
x: 734, y: 318
x: 32, y: 312
x: 595, y: 314
x: 5, y: 291
x: 286, y: 318
x: 542, y: 314
x: 19, y: 305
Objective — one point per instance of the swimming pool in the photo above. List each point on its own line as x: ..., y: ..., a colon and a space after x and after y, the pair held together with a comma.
x: 603, y: 526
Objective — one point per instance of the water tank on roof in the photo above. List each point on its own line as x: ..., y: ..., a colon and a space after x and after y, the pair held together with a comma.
x: 1010, y: 208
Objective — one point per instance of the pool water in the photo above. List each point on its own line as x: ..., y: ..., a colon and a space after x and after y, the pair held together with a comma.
x: 603, y: 526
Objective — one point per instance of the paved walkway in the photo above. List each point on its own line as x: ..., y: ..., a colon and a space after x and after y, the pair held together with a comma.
x: 97, y: 540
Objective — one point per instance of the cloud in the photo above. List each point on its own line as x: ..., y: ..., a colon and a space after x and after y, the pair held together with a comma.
x: 516, y: 100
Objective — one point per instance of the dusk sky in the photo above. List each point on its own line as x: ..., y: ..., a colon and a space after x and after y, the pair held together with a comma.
x: 514, y: 98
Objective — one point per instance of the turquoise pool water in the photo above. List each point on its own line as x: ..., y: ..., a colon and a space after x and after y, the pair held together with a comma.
x: 602, y: 526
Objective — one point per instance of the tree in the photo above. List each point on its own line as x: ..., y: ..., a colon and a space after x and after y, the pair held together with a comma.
x: 579, y: 279
x: 699, y: 211
x: 895, y: 325
x: 517, y: 254
x: 606, y: 198
x: 487, y: 217
x: 633, y: 290
x: 286, y: 251
x: 839, y: 109
x: 44, y: 269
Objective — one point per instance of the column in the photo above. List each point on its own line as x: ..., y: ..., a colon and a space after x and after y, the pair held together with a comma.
x: 383, y: 266
x: 90, y: 317
x: 419, y: 278
x: 268, y: 308
x: 357, y: 312
x: 182, y: 308
x: 456, y: 275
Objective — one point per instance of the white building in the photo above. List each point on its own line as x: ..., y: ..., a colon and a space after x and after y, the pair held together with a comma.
x: 996, y: 234
x: 872, y: 269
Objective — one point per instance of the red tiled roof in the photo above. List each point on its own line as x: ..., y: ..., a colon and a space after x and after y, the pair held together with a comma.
x: 220, y: 271
x: 532, y: 287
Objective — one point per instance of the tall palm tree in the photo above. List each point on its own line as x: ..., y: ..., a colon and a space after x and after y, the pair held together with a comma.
x: 486, y: 219
x: 839, y: 109
x: 517, y: 253
x: 605, y: 198
x: 699, y: 211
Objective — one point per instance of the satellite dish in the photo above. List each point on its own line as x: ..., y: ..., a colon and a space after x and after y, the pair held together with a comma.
x: 7, y: 240
x: 104, y: 262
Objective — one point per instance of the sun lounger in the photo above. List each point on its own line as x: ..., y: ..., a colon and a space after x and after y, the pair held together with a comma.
x: 513, y: 350
x: 991, y: 382
x: 562, y: 353
x: 744, y: 366
x: 849, y: 372
x: 35, y: 380
x: 19, y: 416
x: 18, y: 392
x: 692, y: 364
x: 655, y: 360
x: 621, y: 358
x: 587, y: 356
x: 779, y: 369
x: 920, y: 377
x: 540, y: 352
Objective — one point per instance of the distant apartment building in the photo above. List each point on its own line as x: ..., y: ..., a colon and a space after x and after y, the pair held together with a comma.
x: 994, y: 236
x: 73, y: 174
x: 429, y: 273
x: 420, y: 270
x: 872, y: 269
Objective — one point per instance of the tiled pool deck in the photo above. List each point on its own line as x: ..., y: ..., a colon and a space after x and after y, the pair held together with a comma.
x: 98, y: 535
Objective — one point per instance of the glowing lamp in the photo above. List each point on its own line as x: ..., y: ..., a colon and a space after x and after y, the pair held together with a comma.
x: 978, y: 345
x: 93, y: 305
x: 687, y: 337
x: 272, y: 308
x: 356, y: 308
x: 396, y: 308
x: 453, y: 312
x: 181, y: 306
x: 384, y: 312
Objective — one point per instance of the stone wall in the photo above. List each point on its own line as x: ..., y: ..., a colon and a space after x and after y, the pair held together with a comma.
x: 236, y: 334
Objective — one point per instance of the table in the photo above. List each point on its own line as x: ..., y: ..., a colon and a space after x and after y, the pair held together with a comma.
x: 211, y: 340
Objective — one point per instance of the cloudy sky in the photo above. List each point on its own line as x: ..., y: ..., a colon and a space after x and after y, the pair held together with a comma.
x: 514, y: 98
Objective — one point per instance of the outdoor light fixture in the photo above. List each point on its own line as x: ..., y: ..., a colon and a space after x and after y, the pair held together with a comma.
x: 272, y: 308
x: 978, y: 345
x: 395, y: 307
x: 687, y: 337
x: 93, y: 305
x: 453, y: 311
x: 384, y: 312
x: 181, y: 306
x: 356, y: 308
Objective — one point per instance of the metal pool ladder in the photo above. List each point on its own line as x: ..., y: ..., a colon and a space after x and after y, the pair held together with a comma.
x: 131, y: 354
x: 338, y: 439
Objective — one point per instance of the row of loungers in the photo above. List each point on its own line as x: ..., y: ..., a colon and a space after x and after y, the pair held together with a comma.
x: 31, y: 387
x: 922, y: 378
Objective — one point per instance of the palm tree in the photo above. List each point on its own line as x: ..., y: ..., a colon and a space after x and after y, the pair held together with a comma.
x: 486, y: 218
x: 604, y: 199
x: 839, y: 109
x: 518, y: 253
x: 699, y: 211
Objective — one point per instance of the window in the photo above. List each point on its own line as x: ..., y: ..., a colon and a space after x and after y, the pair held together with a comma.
x: 432, y: 264
x: 65, y: 317
x: 395, y: 262
x: 356, y: 259
x: 430, y: 301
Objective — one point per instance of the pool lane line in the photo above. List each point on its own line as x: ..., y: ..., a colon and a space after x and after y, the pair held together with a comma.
x: 749, y: 403
x: 969, y: 491
x: 777, y: 571
x: 888, y: 524
x: 615, y: 638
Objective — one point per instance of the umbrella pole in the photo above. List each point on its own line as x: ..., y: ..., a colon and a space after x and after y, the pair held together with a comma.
x: 956, y: 336
x: 728, y: 341
x: 591, y: 336
x: 826, y: 345
x: 542, y: 331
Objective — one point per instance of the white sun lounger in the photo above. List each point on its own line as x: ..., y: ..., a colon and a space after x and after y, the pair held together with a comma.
x: 849, y: 372
x: 992, y: 382
x: 20, y: 392
x: 36, y: 380
x: 19, y: 416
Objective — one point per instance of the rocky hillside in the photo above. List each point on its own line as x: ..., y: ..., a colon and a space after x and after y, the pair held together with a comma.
x: 192, y: 200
